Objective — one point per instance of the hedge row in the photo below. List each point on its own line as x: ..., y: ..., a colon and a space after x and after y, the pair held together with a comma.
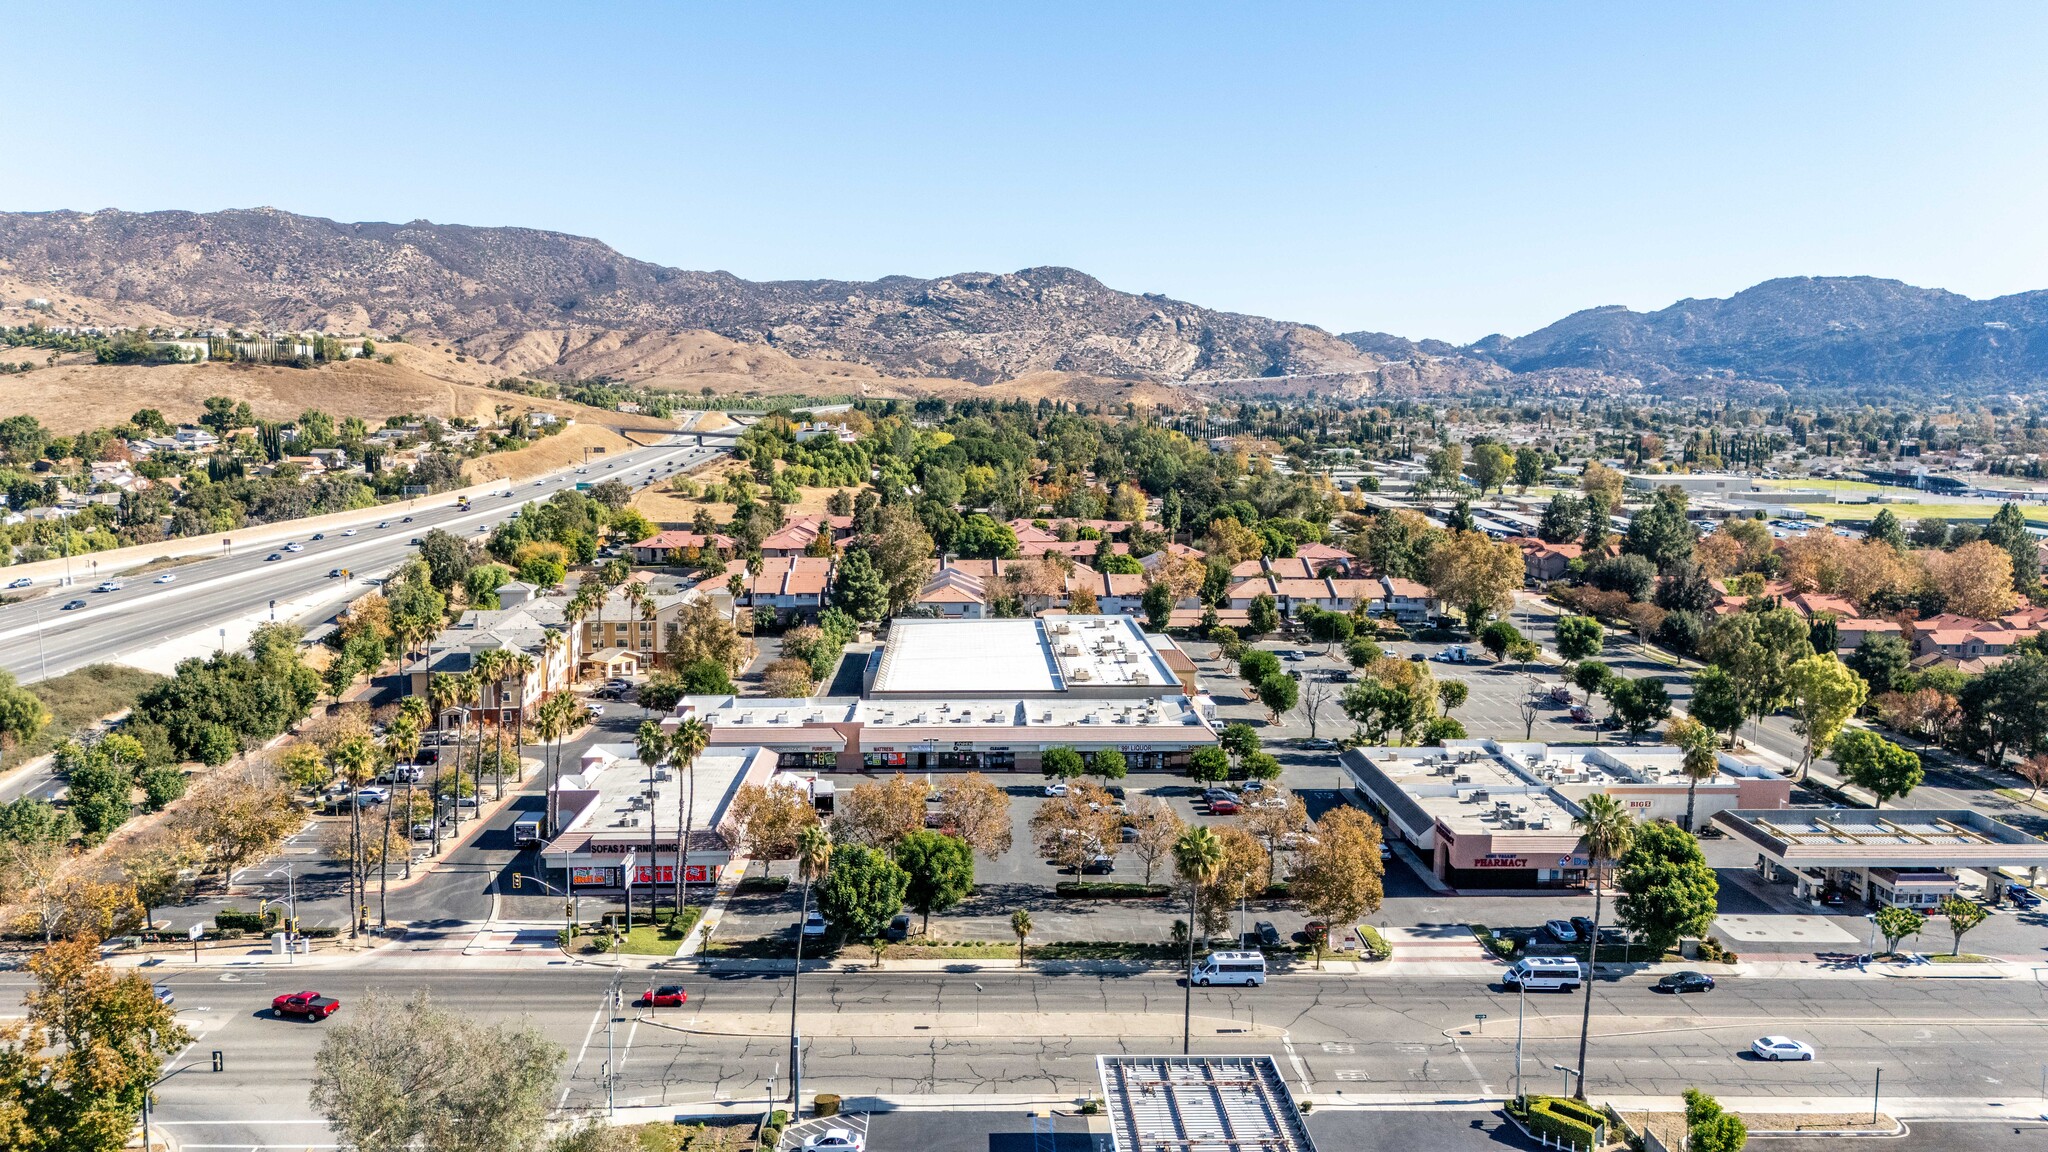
x: 1089, y: 890
x: 1564, y: 1121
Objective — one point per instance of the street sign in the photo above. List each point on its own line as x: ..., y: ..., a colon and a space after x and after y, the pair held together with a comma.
x: 195, y: 932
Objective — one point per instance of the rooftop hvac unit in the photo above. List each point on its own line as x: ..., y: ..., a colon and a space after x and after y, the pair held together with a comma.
x: 945, y: 708
x: 779, y: 718
x: 1047, y: 718
x: 1479, y: 796
x: 1081, y: 674
x: 1070, y: 650
x: 1061, y: 629
x: 1461, y: 780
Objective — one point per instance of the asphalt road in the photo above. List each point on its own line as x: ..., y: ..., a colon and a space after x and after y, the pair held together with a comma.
x: 1340, y: 1038
x: 38, y: 638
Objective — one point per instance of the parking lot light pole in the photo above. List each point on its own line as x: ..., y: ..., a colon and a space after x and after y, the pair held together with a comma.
x: 1566, y: 1090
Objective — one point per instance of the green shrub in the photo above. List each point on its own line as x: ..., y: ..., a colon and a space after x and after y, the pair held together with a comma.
x: 1562, y: 1121
x: 1089, y: 890
x: 763, y: 885
x: 825, y: 1105
x: 236, y: 920
x: 1500, y: 946
x: 1376, y: 945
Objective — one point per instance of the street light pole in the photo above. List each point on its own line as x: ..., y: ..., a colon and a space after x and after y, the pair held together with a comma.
x: 796, y: 1068
x: 1521, y: 1012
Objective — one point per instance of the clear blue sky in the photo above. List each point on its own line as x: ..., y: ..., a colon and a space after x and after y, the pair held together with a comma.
x: 1429, y: 169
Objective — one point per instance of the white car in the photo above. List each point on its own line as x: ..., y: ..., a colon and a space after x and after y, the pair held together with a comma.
x: 834, y: 1140
x: 1056, y: 788
x: 108, y: 586
x: 1781, y: 1048
x: 814, y: 924
x: 24, y: 582
x: 295, y: 546
x: 594, y: 709
x: 348, y: 532
x: 167, y: 578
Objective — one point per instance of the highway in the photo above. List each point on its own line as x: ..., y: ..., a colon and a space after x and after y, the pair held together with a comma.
x: 1948, y: 1046
x: 39, y: 638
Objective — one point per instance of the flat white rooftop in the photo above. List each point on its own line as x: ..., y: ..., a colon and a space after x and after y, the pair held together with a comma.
x: 625, y: 807
x: 1041, y: 657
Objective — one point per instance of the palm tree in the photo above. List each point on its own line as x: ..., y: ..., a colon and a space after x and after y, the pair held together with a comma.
x: 551, y: 720
x: 444, y: 691
x: 413, y: 711
x: 1702, y: 756
x: 813, y: 860
x: 489, y: 668
x: 1197, y: 857
x: 1020, y: 923
x: 522, y: 665
x: 1607, y: 829
x: 352, y: 759
x: 689, y: 741
x: 401, y: 736
x: 654, y: 748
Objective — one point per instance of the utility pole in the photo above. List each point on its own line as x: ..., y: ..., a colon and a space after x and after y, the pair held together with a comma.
x: 611, y: 1016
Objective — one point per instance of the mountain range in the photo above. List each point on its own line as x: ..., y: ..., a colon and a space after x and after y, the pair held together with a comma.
x: 549, y: 303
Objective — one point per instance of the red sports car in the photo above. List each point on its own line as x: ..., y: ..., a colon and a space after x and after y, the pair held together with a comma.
x: 666, y: 996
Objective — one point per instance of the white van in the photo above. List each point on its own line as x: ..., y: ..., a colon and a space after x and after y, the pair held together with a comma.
x: 1543, y: 973
x: 1230, y: 968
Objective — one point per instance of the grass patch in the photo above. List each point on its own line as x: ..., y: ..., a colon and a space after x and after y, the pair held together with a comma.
x: 1978, y: 513
x: 77, y: 699
x: 696, y: 1136
x: 1376, y: 946
x: 776, y: 947
x: 660, y: 938
x: 1089, y: 890
x: 2019, y: 797
x: 164, y: 562
x: 1965, y: 958
x: 1500, y: 946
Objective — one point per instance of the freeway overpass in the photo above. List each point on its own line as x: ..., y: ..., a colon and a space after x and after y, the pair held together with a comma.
x: 40, y: 638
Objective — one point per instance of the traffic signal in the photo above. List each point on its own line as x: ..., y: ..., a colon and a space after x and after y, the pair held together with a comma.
x: 516, y: 878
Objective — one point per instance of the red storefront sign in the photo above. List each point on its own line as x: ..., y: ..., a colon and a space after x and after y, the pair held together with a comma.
x: 666, y: 874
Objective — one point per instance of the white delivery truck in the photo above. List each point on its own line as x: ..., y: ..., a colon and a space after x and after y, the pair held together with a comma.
x: 526, y: 832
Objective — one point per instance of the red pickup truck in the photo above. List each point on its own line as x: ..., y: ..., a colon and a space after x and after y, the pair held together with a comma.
x: 311, y: 1005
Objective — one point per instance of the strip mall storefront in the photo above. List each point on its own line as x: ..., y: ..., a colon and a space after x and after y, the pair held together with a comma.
x: 1522, y: 860
x: 598, y: 865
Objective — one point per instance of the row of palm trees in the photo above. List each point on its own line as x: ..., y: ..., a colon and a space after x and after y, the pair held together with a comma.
x: 657, y: 747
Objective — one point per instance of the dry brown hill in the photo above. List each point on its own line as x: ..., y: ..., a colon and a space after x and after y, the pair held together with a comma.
x: 528, y: 301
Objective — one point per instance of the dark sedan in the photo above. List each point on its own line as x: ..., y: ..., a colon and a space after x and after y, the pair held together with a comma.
x: 1679, y: 982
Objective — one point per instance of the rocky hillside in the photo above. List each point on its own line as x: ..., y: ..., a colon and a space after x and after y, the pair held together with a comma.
x: 540, y: 297
x: 1854, y: 332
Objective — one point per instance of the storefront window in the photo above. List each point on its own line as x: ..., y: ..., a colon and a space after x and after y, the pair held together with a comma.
x: 805, y: 760
x: 884, y: 759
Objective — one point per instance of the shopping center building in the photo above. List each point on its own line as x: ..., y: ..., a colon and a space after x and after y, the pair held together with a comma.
x: 984, y: 695
x: 1487, y: 814
x: 617, y: 819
